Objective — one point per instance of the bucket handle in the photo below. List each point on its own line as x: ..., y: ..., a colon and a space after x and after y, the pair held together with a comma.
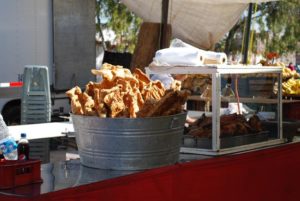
x: 175, y: 123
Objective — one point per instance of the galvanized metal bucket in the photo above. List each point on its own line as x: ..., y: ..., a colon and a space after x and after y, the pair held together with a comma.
x: 128, y: 143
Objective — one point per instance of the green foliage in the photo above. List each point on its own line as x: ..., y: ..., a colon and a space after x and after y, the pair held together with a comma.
x: 281, y: 27
x: 125, y: 24
x: 278, y: 28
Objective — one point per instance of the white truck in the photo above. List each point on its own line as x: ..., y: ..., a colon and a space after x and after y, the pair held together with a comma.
x: 53, y: 33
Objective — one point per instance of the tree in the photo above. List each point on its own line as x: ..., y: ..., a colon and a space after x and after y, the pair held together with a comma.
x: 117, y: 17
x: 278, y: 27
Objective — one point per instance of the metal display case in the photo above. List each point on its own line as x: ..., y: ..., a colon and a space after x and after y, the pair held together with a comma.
x: 256, y: 88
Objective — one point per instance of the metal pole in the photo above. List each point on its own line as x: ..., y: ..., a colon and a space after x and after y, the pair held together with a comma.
x: 101, y: 33
x: 246, y: 44
x: 99, y: 26
x: 164, y: 23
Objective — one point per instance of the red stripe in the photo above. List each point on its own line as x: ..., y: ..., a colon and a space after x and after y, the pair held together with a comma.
x: 16, y: 84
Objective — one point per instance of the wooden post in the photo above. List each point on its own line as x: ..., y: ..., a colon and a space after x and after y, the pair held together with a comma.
x: 148, y: 43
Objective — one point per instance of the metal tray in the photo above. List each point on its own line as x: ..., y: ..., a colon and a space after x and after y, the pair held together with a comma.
x: 225, y: 142
x: 289, y: 128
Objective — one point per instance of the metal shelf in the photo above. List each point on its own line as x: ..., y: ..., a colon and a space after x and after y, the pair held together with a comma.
x: 211, y: 69
x: 244, y: 100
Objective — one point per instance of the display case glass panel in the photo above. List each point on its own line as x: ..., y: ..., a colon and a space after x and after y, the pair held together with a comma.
x: 237, y: 108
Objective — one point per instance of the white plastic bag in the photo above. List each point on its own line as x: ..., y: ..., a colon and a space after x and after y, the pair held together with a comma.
x: 8, y: 146
x: 3, y: 129
x: 180, y: 56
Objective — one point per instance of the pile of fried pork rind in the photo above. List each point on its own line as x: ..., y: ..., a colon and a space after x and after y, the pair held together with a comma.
x: 123, y: 94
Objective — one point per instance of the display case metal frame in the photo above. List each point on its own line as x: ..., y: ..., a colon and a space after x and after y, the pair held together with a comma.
x: 216, y: 71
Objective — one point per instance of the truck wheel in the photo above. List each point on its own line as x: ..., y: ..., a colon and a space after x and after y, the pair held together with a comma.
x: 12, y: 116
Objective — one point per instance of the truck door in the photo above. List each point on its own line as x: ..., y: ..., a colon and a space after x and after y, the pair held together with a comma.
x: 74, y: 43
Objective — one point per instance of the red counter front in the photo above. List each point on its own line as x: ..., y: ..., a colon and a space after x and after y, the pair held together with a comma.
x: 271, y: 174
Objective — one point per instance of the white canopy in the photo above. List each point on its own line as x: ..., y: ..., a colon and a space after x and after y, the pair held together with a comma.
x: 201, y: 23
